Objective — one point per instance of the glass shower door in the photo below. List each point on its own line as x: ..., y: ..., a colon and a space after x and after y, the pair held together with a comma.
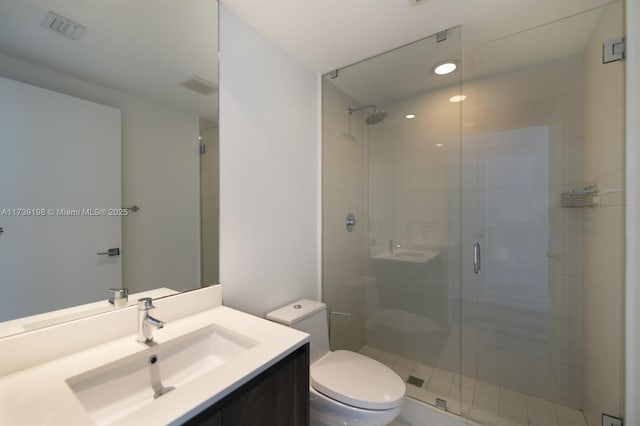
x: 391, y: 152
x: 530, y: 172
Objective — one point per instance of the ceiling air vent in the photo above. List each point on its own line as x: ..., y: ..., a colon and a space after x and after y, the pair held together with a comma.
x: 199, y: 85
x: 62, y: 25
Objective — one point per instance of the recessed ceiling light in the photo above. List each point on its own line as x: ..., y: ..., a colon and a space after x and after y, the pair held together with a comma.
x: 446, y: 67
x: 410, y: 116
x: 439, y: 145
x: 457, y: 98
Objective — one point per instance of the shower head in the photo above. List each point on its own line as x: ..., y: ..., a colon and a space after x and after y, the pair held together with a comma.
x: 375, y: 117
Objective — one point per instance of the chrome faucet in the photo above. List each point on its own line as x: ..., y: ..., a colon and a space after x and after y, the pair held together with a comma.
x: 146, y: 322
x: 392, y: 246
x: 119, y: 297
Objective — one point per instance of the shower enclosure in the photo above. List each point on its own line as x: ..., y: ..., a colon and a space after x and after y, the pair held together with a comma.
x: 473, y: 220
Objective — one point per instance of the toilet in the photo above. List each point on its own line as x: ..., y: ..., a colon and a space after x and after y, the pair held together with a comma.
x: 346, y: 388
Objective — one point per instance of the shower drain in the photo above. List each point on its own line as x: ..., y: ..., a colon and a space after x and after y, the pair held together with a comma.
x: 415, y: 381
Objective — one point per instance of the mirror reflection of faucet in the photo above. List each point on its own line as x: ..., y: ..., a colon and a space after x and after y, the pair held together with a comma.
x: 393, y: 245
x: 119, y: 297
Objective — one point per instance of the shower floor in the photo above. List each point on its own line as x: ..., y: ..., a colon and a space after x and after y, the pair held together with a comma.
x: 482, y: 402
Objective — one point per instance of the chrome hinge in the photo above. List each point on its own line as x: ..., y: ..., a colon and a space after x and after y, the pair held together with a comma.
x: 613, y: 50
x: 441, y: 36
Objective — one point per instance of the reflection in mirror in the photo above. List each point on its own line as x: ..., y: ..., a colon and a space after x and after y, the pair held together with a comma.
x: 109, y: 160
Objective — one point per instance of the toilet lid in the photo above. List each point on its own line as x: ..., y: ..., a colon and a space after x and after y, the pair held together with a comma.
x: 357, y: 380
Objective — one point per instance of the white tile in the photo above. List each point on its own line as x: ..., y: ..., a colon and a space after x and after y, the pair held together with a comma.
x: 468, y: 382
x: 512, y: 396
x: 422, y: 371
x: 487, y: 388
x: 439, y: 386
x: 486, y: 418
x: 486, y: 401
x: 444, y: 375
x: 464, y: 394
x: 542, y: 418
x: 570, y: 414
x: 536, y: 404
x: 513, y: 410
x: 387, y: 358
x: 405, y: 363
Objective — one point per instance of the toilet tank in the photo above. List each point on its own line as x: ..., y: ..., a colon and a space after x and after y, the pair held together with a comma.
x: 308, y: 316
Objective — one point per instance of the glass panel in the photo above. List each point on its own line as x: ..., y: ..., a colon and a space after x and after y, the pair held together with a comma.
x: 398, y: 171
x: 542, y: 193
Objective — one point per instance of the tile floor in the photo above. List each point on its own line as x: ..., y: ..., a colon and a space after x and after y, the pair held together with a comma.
x: 483, y: 402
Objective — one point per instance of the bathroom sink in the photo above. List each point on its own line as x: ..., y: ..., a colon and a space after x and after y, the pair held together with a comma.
x: 113, y: 391
x: 411, y: 256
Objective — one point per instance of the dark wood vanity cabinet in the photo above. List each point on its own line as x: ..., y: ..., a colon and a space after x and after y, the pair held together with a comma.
x: 277, y: 397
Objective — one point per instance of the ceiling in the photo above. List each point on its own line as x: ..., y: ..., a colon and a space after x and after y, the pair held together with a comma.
x: 329, y: 34
x: 141, y: 47
x: 407, y: 71
x: 147, y: 47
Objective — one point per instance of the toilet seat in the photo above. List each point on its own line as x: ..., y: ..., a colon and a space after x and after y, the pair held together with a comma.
x: 357, y: 380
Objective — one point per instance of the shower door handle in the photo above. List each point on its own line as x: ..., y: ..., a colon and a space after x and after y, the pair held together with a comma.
x: 476, y: 257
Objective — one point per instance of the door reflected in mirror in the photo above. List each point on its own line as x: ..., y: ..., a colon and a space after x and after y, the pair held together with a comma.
x: 109, y: 155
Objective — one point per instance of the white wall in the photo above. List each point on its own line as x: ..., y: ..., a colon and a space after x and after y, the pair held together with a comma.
x: 632, y: 295
x: 268, y: 172
x: 160, y: 174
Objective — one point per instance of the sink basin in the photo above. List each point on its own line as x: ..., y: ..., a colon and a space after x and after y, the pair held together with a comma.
x: 411, y: 256
x: 113, y: 391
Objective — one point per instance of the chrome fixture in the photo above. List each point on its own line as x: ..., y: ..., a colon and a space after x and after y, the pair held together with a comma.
x: 154, y: 373
x: 476, y: 257
x: 133, y: 208
x: 119, y: 297
x: 374, y: 118
x: 350, y: 222
x: 110, y: 252
x: 613, y: 50
x: 591, y: 196
x: 146, y: 323
x: 393, y: 245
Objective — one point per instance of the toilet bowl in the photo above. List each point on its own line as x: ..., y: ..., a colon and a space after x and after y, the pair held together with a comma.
x: 346, y: 388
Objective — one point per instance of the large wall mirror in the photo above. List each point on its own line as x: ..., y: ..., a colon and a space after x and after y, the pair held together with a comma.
x: 109, y: 155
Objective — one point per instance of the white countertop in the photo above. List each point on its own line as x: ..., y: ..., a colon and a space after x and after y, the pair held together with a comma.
x: 41, y: 396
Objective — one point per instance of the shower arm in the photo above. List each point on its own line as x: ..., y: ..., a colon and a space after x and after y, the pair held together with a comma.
x: 352, y: 110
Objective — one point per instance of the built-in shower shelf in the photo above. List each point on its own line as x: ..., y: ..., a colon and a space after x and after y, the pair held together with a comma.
x: 592, y: 197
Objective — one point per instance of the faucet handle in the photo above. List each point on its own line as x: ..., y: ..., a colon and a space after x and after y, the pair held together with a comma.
x: 119, y: 296
x: 145, y: 304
